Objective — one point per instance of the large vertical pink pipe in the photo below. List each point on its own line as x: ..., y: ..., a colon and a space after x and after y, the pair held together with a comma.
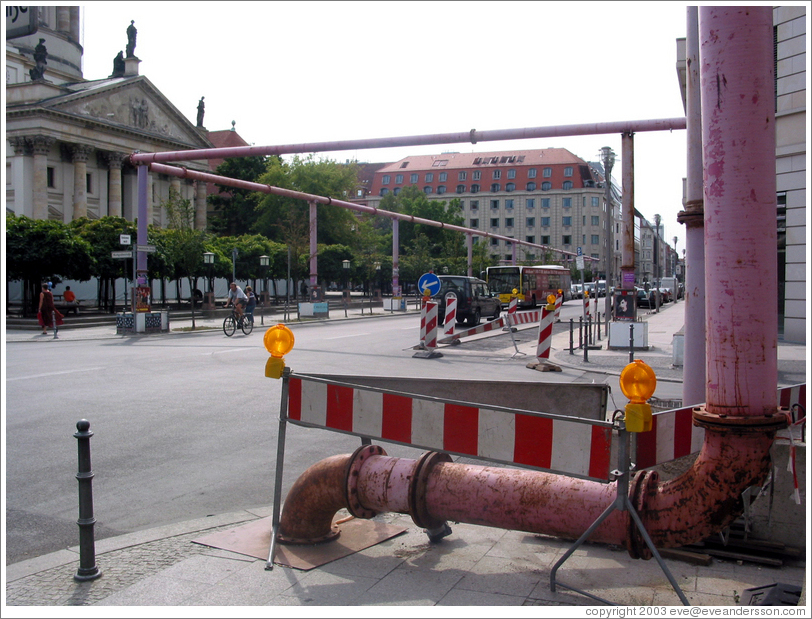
x: 694, y: 369
x: 314, y: 246
x: 738, y: 133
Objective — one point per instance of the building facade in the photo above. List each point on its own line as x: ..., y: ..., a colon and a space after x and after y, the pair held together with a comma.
x: 548, y: 196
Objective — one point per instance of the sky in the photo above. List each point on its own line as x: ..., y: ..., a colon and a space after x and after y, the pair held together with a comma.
x: 302, y: 72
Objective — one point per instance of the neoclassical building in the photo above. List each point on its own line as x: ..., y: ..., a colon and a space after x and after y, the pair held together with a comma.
x: 68, y: 138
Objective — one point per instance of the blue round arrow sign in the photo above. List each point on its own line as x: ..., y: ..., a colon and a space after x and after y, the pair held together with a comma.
x: 430, y: 281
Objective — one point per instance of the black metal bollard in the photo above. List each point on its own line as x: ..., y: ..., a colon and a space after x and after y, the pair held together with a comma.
x: 88, y: 570
x: 631, y: 342
x: 56, y: 326
x: 599, y: 326
x: 572, y: 326
x: 586, y: 346
x: 580, y: 331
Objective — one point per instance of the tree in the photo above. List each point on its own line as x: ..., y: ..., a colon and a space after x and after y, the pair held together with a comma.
x: 235, y: 208
x: 184, y: 245
x: 37, y: 248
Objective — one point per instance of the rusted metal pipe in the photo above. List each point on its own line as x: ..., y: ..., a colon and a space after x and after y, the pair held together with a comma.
x: 472, y: 136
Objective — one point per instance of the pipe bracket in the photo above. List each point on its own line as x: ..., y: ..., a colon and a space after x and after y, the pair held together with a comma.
x: 748, y: 424
x: 417, y: 489
x: 357, y: 460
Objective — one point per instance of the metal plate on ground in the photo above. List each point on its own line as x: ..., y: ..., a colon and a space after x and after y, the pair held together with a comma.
x: 254, y: 539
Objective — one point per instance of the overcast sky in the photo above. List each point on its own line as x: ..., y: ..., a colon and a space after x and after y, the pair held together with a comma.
x: 300, y: 72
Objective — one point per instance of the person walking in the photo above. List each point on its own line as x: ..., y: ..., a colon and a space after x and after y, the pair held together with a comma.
x: 47, y: 312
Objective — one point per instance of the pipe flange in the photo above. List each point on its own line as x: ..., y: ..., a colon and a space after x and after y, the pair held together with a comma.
x: 296, y: 541
x: 417, y: 489
x: 755, y: 424
x: 640, y: 486
x: 357, y: 460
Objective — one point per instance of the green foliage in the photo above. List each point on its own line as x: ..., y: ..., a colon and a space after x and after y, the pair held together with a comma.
x: 103, y: 237
x: 235, y: 209
x: 36, y: 249
x: 412, y: 201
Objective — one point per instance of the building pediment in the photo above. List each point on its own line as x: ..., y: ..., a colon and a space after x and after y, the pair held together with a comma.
x: 131, y: 104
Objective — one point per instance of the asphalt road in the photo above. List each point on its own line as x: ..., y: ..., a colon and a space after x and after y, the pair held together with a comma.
x: 186, y: 425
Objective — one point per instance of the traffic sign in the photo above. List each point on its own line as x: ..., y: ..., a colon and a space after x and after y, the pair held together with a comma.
x: 124, y: 239
x: 579, y: 252
x: 122, y: 254
x: 430, y: 281
x: 146, y: 248
x: 579, y: 263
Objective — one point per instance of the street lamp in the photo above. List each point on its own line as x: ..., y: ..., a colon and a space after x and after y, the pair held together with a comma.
x: 346, y: 265
x: 264, y: 262
x: 208, y: 260
x: 608, y: 159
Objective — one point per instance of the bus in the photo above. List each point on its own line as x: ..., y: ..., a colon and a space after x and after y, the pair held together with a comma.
x: 533, y: 284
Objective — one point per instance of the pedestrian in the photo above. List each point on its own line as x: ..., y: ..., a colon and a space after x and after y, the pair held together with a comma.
x: 47, y: 311
x: 252, y: 303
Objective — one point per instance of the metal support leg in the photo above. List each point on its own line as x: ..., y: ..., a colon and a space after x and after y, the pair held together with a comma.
x: 280, y: 463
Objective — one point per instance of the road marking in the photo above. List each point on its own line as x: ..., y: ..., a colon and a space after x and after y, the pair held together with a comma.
x: 340, y: 337
x: 53, y: 374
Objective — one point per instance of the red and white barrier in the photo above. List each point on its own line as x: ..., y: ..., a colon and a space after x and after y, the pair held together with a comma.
x: 674, y: 435
x: 495, y: 433
x: 559, y: 299
x: 525, y: 318
x: 450, y: 315
x: 428, y: 325
x: 483, y: 328
x: 545, y: 335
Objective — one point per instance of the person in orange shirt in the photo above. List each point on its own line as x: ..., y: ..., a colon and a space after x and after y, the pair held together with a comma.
x: 70, y: 299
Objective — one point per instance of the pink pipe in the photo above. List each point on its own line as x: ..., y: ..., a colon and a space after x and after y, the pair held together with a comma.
x: 738, y: 134
x: 472, y: 136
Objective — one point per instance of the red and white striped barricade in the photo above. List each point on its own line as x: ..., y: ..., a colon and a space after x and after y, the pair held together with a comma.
x: 674, y: 435
x: 483, y: 328
x: 450, y: 314
x: 545, y: 338
x: 511, y: 313
x: 587, y: 308
x: 559, y: 299
x: 428, y: 332
x: 525, y: 318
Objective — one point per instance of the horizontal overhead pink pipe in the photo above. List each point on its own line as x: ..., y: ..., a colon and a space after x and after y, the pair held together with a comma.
x: 182, y: 172
x: 472, y: 136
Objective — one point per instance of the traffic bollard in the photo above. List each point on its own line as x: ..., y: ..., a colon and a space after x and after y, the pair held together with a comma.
x: 572, y: 326
x: 56, y: 326
x: 631, y: 342
x: 88, y: 570
x: 586, y: 346
x: 580, y: 331
x: 599, y: 326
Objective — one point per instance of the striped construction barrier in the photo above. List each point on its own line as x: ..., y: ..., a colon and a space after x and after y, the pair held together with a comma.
x: 428, y: 331
x: 525, y: 318
x: 545, y: 337
x: 567, y: 445
x: 559, y: 299
x: 450, y: 314
x: 674, y: 435
x: 483, y: 328
x: 509, y: 322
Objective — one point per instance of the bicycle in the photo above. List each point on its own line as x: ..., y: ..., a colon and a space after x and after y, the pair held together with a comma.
x: 233, y: 322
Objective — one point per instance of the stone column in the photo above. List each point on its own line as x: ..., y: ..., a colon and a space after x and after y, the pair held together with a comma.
x: 200, y: 205
x: 75, y: 23
x: 114, y: 161
x: 80, y: 153
x: 41, y: 145
x: 63, y: 19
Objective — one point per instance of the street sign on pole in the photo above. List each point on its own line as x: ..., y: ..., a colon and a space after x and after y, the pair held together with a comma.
x: 430, y: 281
x: 122, y: 254
x: 148, y: 249
x: 124, y: 239
x: 579, y: 263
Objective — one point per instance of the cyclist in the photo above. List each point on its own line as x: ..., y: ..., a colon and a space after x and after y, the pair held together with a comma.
x: 237, y: 298
x: 251, y: 304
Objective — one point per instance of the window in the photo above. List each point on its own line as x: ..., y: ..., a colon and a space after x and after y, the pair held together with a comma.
x: 474, y: 205
x: 89, y: 183
x: 460, y: 188
x: 440, y: 188
x: 404, y: 164
x: 596, y: 220
x: 474, y: 188
x: 429, y: 177
x: 511, y: 173
x: 427, y: 189
x: 495, y: 204
x: 545, y: 239
x: 510, y: 187
x: 509, y: 203
x: 596, y: 201
x: 440, y: 163
x: 566, y: 221
x: 476, y: 175
x: 495, y: 188
x: 567, y: 185
x: 595, y: 239
x: 462, y: 176
x: 531, y: 173
x: 508, y: 256
x: 530, y: 256
x: 566, y: 202
x: 530, y: 239
x: 548, y: 172
x: 497, y: 173
x: 399, y: 179
x: 545, y: 203
x: 508, y: 222
x: 531, y: 186
x: 530, y: 203
x: 568, y: 171
x: 546, y: 186
x: 51, y: 177
x: 495, y: 243
x: 384, y: 191
x: 494, y: 222
x: 474, y: 223
x: 545, y: 222
x: 385, y: 180
x: 413, y: 178
x: 443, y: 177
x: 530, y: 222
x: 566, y: 239
x: 396, y: 191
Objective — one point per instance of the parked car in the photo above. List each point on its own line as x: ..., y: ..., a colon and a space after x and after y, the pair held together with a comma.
x: 601, y: 287
x: 474, y: 299
x: 577, y: 291
x: 644, y: 299
x: 590, y: 288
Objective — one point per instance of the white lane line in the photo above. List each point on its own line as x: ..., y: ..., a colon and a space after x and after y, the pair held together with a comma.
x: 341, y: 337
x: 8, y: 380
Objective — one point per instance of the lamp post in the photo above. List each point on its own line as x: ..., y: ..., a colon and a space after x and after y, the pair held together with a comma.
x: 346, y: 265
x: 208, y: 260
x: 657, y: 220
x: 234, y: 253
x: 608, y: 159
x: 264, y: 262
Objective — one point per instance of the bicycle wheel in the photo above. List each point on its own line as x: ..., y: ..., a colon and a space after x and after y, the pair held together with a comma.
x: 247, y: 325
x: 229, y: 326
